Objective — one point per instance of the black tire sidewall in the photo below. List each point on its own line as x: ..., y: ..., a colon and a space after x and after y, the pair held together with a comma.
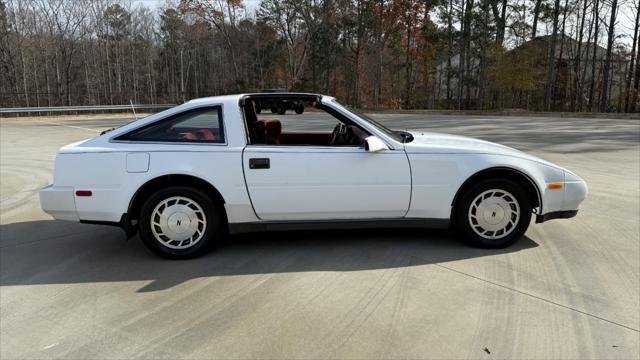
x: 211, y: 234
x: 462, y: 210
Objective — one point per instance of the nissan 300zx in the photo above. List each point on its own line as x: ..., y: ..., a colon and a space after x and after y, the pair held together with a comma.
x: 185, y: 177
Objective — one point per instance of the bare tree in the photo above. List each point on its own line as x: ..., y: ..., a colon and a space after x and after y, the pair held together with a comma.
x: 287, y: 19
x: 551, y: 61
x: 222, y: 14
x: 627, y: 87
x: 577, y: 87
x: 536, y: 15
x: 604, y: 99
x: 500, y: 16
x: 483, y: 51
x: 370, y: 53
x: 594, y: 58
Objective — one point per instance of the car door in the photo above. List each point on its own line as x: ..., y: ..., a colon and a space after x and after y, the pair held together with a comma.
x: 326, y: 183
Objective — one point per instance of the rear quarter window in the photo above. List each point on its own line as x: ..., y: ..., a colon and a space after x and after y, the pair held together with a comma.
x: 202, y: 125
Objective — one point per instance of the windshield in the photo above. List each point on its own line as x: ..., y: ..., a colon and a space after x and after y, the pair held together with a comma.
x: 392, y: 134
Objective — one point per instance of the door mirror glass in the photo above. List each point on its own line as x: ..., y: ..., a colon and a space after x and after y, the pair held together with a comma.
x: 374, y: 144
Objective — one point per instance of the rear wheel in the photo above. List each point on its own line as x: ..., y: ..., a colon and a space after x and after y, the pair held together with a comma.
x: 494, y: 213
x: 282, y: 109
x: 179, y: 222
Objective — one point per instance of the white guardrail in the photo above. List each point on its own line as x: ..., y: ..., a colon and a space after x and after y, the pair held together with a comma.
x: 23, y: 110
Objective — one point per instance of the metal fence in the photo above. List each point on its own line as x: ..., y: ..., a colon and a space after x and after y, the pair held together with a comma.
x: 73, y: 109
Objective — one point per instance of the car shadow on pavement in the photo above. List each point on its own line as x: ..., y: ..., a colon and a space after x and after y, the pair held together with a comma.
x: 59, y: 252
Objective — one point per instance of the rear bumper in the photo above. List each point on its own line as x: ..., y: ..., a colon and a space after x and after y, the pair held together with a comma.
x: 59, y: 202
x: 566, y: 214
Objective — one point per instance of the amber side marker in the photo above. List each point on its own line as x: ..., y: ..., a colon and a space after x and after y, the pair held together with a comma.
x: 555, y: 186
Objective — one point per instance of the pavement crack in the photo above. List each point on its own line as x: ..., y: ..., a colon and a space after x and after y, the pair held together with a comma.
x: 69, y: 126
x: 538, y: 298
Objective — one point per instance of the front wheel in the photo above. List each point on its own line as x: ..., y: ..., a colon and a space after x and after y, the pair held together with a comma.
x: 179, y: 222
x: 493, y: 214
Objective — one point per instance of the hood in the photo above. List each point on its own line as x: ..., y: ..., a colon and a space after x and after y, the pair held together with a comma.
x: 434, y: 143
x: 448, y: 141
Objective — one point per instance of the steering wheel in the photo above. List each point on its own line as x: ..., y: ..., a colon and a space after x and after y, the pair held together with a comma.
x: 339, y: 135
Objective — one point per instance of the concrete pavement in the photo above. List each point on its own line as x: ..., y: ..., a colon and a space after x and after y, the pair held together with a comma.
x: 570, y: 289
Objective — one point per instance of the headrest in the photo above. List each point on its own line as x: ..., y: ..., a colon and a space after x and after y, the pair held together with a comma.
x: 206, y: 134
x: 273, y: 128
x: 262, y: 123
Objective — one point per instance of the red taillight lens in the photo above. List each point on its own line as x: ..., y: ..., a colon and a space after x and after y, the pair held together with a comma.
x: 83, y: 193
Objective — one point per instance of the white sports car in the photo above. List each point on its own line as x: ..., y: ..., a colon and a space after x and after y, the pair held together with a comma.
x: 185, y: 177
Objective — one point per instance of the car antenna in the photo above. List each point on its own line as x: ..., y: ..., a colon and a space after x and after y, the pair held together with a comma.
x: 133, y: 109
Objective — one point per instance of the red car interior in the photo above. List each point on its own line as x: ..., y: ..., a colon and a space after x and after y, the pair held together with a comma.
x: 269, y: 131
x: 206, y: 134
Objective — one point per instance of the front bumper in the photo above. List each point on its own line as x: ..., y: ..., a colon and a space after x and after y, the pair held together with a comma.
x: 59, y: 202
x: 575, y: 192
x: 566, y: 214
x: 563, y: 203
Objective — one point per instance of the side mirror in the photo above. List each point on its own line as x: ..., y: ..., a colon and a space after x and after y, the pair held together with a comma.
x: 374, y: 144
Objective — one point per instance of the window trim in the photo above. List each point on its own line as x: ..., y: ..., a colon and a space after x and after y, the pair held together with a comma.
x: 218, y: 107
x: 312, y: 147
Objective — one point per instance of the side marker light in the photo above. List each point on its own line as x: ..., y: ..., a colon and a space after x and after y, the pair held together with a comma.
x: 555, y: 186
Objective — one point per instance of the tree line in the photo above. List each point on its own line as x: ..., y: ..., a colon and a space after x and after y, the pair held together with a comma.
x: 552, y: 55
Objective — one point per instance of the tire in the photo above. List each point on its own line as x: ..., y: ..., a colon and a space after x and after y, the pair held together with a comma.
x: 282, y: 109
x: 274, y: 110
x: 182, y: 205
x: 258, y: 109
x: 493, y: 214
x: 299, y: 109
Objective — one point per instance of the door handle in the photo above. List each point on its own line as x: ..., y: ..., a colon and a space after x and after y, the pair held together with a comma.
x: 262, y: 163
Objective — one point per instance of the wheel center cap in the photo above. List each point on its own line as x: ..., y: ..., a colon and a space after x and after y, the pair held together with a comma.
x: 179, y: 222
x: 494, y: 214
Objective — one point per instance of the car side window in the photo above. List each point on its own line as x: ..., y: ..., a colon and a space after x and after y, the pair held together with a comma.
x: 298, y: 122
x: 202, y: 125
